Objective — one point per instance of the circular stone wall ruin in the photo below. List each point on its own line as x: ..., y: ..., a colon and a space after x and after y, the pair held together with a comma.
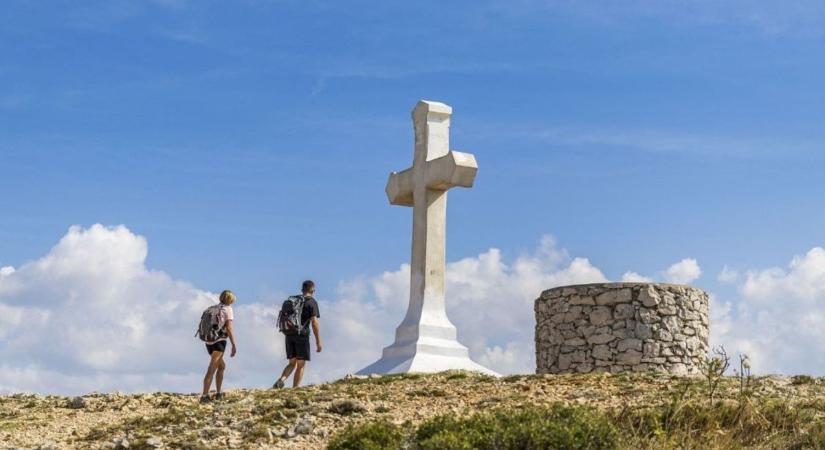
x: 620, y: 327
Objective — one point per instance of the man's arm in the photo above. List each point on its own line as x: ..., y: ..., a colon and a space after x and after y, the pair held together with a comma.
x: 316, y: 330
x: 230, y: 331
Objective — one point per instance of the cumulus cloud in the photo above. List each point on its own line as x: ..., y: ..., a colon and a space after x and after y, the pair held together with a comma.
x: 728, y: 275
x: 633, y: 277
x: 778, y: 317
x: 90, y: 316
x: 683, y: 272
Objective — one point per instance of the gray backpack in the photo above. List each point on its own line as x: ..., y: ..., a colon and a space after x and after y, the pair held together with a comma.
x: 289, y: 319
x: 211, y: 327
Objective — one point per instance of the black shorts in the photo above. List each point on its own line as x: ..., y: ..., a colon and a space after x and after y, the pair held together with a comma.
x: 219, y: 346
x: 297, y: 346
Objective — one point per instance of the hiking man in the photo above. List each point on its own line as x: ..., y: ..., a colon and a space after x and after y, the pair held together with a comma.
x: 298, y: 314
x: 214, y: 329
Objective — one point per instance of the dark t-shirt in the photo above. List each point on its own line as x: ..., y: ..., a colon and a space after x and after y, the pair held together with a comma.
x: 310, y: 311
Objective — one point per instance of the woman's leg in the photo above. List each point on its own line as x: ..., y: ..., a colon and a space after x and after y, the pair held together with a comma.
x: 219, y: 374
x: 215, y: 357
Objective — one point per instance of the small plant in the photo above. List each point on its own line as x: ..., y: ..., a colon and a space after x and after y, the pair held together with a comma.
x: 556, y: 427
x: 346, y: 407
x: 380, y: 435
x: 802, y: 379
x: 744, y: 374
x: 714, y: 368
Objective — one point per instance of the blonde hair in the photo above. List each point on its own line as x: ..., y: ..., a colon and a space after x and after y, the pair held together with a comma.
x: 227, y: 297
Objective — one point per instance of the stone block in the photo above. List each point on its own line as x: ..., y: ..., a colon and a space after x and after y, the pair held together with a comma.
x: 582, y: 300
x: 629, y: 344
x: 614, y: 296
x: 600, y: 315
x: 648, y: 296
x: 575, y: 342
x: 624, y: 311
x: 602, y: 352
x: 629, y: 357
x: 643, y: 331
x: 600, y: 339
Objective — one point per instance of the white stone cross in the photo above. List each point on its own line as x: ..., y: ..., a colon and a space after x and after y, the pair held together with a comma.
x: 426, y: 340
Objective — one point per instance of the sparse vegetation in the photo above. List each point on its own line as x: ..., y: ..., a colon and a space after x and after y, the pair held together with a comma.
x: 714, y: 369
x: 646, y: 411
x: 802, y: 379
x: 381, y: 435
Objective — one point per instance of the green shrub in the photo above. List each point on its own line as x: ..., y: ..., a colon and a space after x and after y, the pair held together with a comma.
x: 370, y: 436
x: 557, y: 427
x: 802, y: 379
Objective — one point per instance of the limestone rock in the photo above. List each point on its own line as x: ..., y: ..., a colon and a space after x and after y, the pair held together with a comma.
x: 600, y: 316
x: 614, y: 296
x: 304, y: 426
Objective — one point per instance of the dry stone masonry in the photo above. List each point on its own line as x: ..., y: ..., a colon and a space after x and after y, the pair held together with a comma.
x: 621, y: 327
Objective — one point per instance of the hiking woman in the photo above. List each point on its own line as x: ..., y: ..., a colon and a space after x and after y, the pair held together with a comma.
x: 217, y: 347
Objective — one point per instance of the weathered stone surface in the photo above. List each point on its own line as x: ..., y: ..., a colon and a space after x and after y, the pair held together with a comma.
x: 582, y: 300
x: 624, y: 311
x: 630, y: 357
x: 614, y: 296
x: 600, y: 338
x: 626, y: 344
x: 602, y: 352
x: 600, y: 315
x: 649, y: 297
x: 618, y: 327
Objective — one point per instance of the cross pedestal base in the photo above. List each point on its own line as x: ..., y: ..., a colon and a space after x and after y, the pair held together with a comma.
x: 427, y: 359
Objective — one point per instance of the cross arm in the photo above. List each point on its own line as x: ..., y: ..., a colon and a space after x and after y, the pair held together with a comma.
x: 451, y: 170
x: 400, y: 188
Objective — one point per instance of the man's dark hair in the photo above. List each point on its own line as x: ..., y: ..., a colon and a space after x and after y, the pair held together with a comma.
x: 307, y: 286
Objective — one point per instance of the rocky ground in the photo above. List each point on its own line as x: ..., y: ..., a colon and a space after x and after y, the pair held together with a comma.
x: 307, y: 417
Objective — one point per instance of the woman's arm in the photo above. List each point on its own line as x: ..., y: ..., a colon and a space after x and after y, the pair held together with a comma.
x: 230, y: 331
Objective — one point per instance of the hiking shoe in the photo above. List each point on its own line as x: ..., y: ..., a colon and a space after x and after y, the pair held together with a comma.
x: 278, y: 384
x: 205, y: 399
x: 219, y: 396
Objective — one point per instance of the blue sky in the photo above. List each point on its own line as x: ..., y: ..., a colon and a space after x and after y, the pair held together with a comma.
x: 250, y: 142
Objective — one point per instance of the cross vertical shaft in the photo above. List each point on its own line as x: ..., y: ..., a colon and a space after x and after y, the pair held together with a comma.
x: 425, y: 341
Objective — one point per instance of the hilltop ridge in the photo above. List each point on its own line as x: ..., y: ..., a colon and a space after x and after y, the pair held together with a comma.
x: 786, y: 410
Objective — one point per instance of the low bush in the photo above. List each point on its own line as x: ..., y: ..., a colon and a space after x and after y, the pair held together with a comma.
x: 556, y: 427
x: 380, y: 435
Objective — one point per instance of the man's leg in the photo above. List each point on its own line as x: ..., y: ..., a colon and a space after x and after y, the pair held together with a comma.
x: 288, y: 369
x: 215, y: 357
x: 219, y: 375
x: 299, y: 373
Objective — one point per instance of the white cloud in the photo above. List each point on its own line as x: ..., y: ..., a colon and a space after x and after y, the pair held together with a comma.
x: 683, y: 272
x: 728, y: 275
x: 779, y: 317
x: 89, y: 316
x: 633, y: 277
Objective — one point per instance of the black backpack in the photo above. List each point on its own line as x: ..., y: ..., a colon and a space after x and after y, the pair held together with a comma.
x: 289, y: 319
